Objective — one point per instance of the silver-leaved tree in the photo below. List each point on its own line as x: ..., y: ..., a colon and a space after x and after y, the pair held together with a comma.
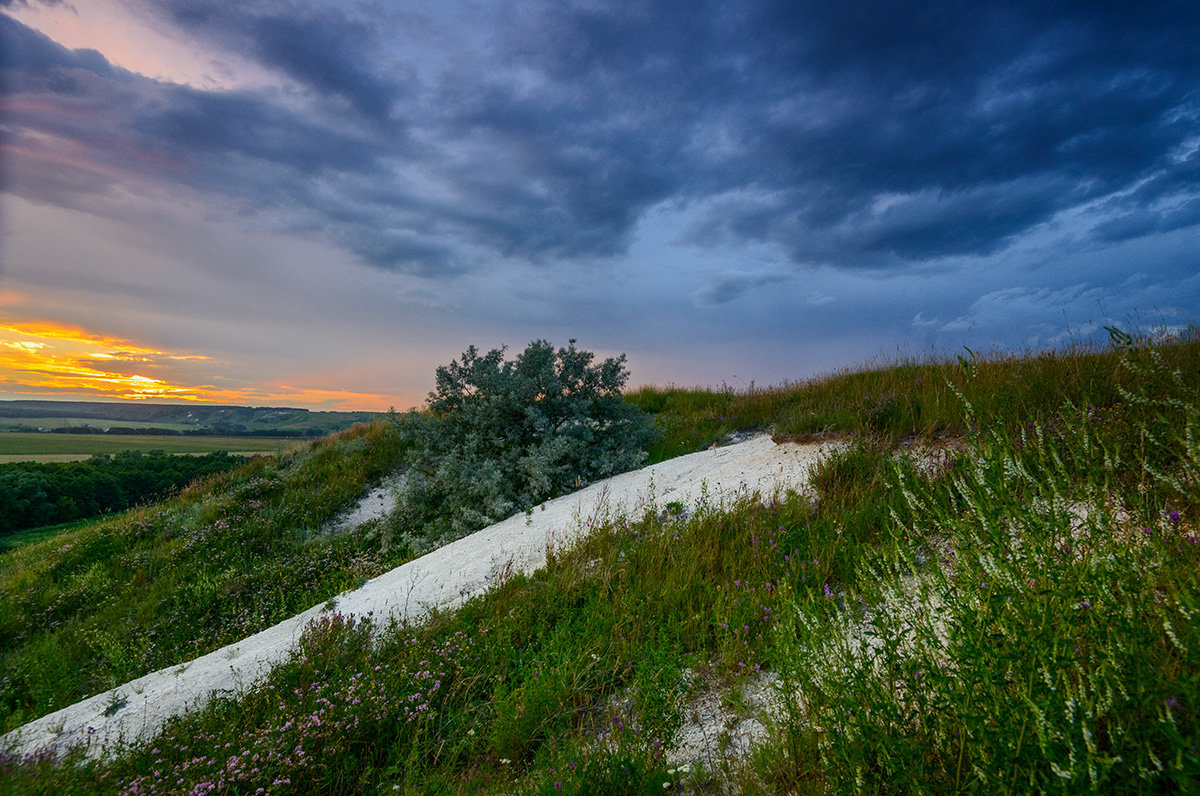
x: 500, y: 436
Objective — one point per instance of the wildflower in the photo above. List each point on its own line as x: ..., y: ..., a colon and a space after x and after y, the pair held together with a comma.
x: 828, y: 591
x: 1173, y: 517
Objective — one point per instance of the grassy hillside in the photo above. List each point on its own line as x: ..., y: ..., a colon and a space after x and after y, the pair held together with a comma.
x: 910, y: 398
x: 94, y: 607
x: 1017, y: 610
x: 17, y: 539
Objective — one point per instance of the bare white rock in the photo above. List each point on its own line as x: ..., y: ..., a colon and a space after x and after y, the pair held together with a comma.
x: 375, y: 505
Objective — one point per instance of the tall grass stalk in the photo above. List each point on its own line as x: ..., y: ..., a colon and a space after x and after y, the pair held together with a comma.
x: 1054, y: 648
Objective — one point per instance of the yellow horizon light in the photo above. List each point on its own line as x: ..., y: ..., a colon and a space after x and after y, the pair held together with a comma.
x: 46, y: 359
x: 42, y: 356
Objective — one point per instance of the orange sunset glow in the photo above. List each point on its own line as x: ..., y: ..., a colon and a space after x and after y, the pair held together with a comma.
x: 54, y: 361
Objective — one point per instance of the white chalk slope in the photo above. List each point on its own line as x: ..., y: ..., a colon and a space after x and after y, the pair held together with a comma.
x: 444, y: 578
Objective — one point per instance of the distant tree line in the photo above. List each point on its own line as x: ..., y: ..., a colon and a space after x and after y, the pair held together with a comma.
x: 33, y: 494
x: 155, y: 413
x: 263, y: 419
x: 217, y: 430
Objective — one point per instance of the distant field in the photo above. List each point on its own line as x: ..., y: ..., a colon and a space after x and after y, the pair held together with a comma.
x: 31, y: 415
x: 62, y: 422
x: 23, y: 447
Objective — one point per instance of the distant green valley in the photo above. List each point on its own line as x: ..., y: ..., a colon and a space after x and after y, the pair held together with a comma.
x: 93, y: 417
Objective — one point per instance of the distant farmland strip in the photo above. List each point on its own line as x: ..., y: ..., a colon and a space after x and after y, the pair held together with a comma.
x: 33, y: 423
x: 19, y: 446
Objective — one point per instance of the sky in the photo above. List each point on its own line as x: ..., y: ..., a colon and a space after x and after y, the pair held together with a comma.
x: 317, y: 202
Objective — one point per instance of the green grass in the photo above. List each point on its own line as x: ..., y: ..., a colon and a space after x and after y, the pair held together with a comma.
x: 939, y: 619
x: 22, y: 446
x: 1057, y: 647
x: 33, y: 535
x: 905, y: 398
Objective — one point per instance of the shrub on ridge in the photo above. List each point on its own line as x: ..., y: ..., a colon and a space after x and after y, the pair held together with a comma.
x: 502, y: 436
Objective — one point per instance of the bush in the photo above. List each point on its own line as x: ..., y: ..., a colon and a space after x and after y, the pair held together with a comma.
x: 502, y: 436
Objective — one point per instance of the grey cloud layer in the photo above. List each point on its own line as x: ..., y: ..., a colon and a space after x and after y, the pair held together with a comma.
x: 855, y: 135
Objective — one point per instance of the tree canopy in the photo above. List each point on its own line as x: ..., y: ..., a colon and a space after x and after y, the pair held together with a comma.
x: 46, y: 493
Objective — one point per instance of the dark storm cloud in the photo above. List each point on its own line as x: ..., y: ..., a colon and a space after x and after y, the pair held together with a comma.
x: 1166, y: 202
x: 77, y: 128
x: 974, y: 121
x: 731, y: 286
x: 39, y: 62
x: 972, y: 127
x: 856, y: 135
x: 321, y: 48
x: 240, y: 125
x: 79, y: 97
